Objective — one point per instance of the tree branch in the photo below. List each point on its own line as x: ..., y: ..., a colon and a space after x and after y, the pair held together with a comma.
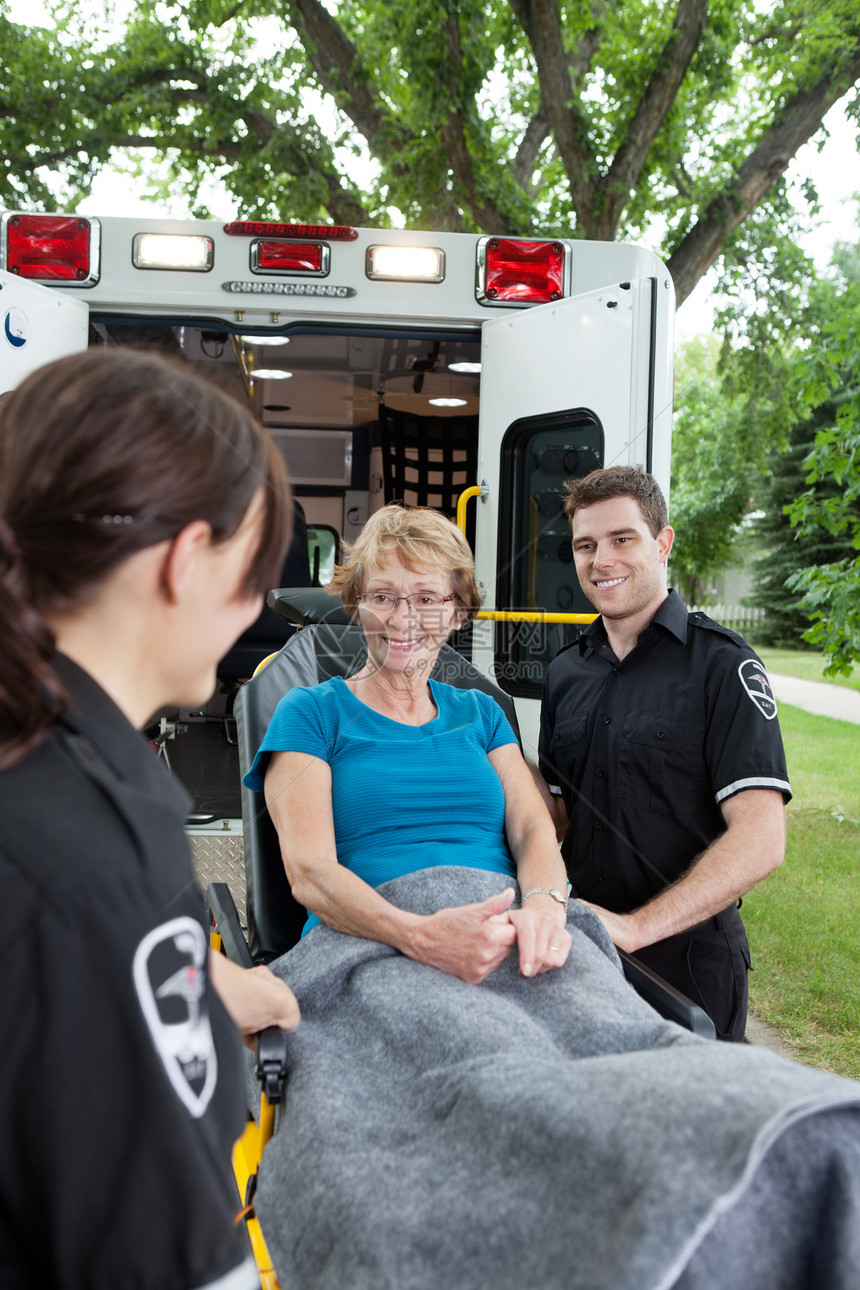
x: 800, y: 119
x: 540, y: 21
x: 342, y: 74
x: 487, y: 215
x: 658, y: 97
x: 527, y: 153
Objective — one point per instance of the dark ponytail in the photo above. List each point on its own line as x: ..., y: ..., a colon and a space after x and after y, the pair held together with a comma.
x: 103, y: 454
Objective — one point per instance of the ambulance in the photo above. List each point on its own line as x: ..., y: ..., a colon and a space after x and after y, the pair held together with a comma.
x: 470, y: 373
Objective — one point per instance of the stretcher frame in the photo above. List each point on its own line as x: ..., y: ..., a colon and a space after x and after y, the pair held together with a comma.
x: 327, y: 647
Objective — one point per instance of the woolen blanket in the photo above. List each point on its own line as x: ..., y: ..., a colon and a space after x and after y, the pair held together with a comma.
x: 527, y: 1134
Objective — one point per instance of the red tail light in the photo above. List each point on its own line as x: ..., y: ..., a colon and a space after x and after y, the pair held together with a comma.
x: 51, y: 248
x: 290, y: 257
x: 517, y: 272
x: 272, y: 228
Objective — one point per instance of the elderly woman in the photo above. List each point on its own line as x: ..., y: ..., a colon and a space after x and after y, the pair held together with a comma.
x: 390, y: 771
x: 517, y: 1119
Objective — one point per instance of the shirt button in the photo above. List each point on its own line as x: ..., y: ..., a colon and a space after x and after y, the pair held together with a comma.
x: 606, y: 721
x: 600, y: 774
x: 661, y: 734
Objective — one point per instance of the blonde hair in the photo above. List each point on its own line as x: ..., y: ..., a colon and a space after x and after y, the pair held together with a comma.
x: 420, y: 538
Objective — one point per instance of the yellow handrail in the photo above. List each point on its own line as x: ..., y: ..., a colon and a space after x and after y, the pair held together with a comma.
x: 466, y: 496
x: 533, y: 616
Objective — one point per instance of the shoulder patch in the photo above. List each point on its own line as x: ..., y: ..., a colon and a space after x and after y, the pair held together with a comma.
x: 758, y: 687
x: 170, y: 979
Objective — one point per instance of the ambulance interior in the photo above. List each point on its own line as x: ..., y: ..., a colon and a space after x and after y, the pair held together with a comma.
x: 361, y: 416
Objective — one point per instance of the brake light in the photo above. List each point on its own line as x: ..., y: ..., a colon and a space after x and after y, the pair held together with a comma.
x: 51, y: 248
x: 264, y: 228
x: 517, y: 272
x: 290, y: 257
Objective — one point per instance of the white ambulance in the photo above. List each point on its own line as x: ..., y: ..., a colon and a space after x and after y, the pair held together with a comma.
x: 436, y: 368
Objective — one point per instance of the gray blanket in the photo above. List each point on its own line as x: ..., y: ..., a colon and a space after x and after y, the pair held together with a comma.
x: 532, y: 1134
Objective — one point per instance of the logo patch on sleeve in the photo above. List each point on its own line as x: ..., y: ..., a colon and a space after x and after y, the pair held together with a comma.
x: 758, y: 687
x: 170, y: 978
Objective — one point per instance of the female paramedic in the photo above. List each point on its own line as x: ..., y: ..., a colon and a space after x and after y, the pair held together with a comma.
x: 142, y: 513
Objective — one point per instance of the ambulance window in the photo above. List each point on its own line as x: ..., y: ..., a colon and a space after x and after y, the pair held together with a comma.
x: 322, y: 553
x: 536, y: 569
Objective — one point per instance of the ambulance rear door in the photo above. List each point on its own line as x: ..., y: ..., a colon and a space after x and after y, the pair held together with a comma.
x: 565, y: 387
x: 39, y: 324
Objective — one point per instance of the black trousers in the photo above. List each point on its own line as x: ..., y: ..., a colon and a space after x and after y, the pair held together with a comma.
x: 709, y: 964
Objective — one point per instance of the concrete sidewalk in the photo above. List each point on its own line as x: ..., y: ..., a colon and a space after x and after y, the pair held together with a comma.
x: 817, y: 697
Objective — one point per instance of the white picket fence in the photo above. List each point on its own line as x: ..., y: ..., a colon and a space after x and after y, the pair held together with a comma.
x: 738, y: 617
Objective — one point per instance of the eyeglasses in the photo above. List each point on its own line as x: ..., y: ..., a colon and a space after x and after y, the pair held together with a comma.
x: 385, y: 602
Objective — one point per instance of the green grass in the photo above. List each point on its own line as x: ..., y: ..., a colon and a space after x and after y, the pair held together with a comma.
x: 805, y: 665
x: 804, y: 921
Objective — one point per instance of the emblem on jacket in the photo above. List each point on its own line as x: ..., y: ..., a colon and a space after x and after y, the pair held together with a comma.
x: 170, y: 979
x: 757, y: 686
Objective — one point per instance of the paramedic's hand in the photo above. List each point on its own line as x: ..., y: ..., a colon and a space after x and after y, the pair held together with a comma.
x: 254, y: 997
x: 468, y: 941
x: 621, y: 927
x: 542, y: 937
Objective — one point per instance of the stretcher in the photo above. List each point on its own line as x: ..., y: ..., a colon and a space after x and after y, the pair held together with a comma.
x: 328, y: 645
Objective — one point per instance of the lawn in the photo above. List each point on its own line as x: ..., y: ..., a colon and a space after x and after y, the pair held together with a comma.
x: 805, y: 664
x: 804, y: 921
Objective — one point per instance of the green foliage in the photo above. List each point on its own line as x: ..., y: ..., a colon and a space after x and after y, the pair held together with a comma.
x: 831, y: 591
x: 643, y: 120
x: 784, y: 549
x: 713, y: 469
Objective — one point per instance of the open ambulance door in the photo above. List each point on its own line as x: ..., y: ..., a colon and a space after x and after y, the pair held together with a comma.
x: 39, y: 324
x: 565, y: 388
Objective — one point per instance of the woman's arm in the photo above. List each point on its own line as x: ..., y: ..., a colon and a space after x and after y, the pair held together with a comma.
x: 542, y: 938
x: 468, y: 941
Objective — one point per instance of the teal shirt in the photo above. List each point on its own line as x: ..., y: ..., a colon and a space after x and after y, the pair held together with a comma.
x: 403, y: 797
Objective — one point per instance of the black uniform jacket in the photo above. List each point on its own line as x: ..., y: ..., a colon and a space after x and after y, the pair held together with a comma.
x: 645, y: 750
x: 120, y: 1072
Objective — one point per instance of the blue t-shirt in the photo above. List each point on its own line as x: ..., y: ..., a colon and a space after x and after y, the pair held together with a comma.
x: 403, y: 797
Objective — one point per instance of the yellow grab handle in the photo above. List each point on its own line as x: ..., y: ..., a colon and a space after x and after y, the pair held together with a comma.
x: 475, y: 491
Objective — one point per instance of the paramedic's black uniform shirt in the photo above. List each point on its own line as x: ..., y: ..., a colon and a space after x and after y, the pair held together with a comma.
x: 645, y: 750
x: 120, y: 1073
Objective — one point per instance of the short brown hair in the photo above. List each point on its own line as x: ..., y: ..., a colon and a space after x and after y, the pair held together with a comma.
x: 618, y: 481
x: 419, y: 537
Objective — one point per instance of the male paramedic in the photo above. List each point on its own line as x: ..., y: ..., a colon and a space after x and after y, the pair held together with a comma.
x: 662, y: 751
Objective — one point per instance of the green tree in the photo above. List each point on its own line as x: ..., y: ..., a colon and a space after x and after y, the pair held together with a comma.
x: 713, y: 469
x: 673, y: 123
x: 831, y: 591
x: 783, y: 548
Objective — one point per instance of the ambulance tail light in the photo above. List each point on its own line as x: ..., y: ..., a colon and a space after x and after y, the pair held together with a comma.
x: 405, y: 263
x: 190, y: 252
x: 51, y: 248
x: 290, y: 257
x: 514, y: 272
x: 275, y: 228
